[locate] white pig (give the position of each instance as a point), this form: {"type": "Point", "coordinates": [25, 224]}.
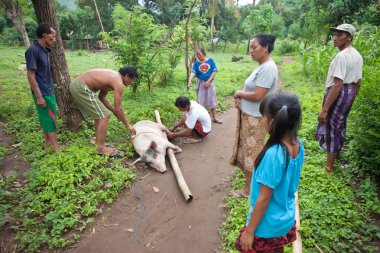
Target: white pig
{"type": "Point", "coordinates": [151, 144]}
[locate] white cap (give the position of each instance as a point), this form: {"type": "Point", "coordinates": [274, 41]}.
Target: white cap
{"type": "Point", "coordinates": [345, 28]}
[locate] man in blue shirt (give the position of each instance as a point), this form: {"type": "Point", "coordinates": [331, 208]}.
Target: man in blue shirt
{"type": "Point", "coordinates": [41, 83]}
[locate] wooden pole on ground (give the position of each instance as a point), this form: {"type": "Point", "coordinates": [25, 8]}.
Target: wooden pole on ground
{"type": "Point", "coordinates": [297, 245]}
{"type": "Point", "coordinates": [177, 171]}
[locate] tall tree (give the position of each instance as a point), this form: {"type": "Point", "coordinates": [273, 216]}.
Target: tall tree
{"type": "Point", "coordinates": [187, 61]}
{"type": "Point", "coordinates": [15, 14]}
{"type": "Point", "coordinates": [45, 13]}
{"type": "Point", "coordinates": [213, 10]}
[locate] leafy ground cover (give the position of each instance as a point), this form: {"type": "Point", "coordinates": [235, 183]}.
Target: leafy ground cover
{"type": "Point", "coordinates": [65, 190]}
{"type": "Point", "coordinates": [338, 210]}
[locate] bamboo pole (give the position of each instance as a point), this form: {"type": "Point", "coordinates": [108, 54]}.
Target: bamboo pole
{"type": "Point", "coordinates": [297, 244]}
{"type": "Point", "coordinates": [177, 171]}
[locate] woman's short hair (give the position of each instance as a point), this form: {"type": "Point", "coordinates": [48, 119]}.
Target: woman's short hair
{"type": "Point", "coordinates": [266, 40]}
{"type": "Point", "coordinates": [131, 71]}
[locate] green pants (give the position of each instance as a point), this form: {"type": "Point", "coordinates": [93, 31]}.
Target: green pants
{"type": "Point", "coordinates": [47, 115]}
{"type": "Point", "coordinates": [87, 101]}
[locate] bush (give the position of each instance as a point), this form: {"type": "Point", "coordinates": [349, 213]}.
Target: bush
{"type": "Point", "coordinates": [365, 124]}
{"type": "Point", "coordinates": [11, 36]}
{"type": "Point", "coordinates": [287, 46]}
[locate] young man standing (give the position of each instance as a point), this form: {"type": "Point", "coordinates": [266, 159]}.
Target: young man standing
{"type": "Point", "coordinates": [84, 89]}
{"type": "Point", "coordinates": [196, 119]}
{"type": "Point", "coordinates": [41, 83]}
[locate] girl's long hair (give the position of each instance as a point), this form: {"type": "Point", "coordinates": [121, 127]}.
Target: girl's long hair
{"type": "Point", "coordinates": [283, 111]}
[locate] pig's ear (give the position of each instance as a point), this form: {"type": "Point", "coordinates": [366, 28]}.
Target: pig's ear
{"type": "Point", "coordinates": [153, 145]}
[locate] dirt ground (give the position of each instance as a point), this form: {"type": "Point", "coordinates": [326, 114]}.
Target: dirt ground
{"type": "Point", "coordinates": [145, 221]}
{"type": "Point", "coordinates": [141, 220]}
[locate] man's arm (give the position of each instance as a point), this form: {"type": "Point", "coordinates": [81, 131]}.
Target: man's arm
{"type": "Point", "coordinates": [256, 95]}
{"type": "Point", "coordinates": [337, 87]}
{"type": "Point", "coordinates": [358, 86]}
{"type": "Point", "coordinates": [185, 132]}
{"type": "Point", "coordinates": [118, 109]}
{"type": "Point", "coordinates": [31, 74]}
{"type": "Point", "coordinates": [179, 123]}
{"type": "Point", "coordinates": [103, 98]}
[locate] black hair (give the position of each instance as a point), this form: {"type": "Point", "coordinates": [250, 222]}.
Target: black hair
{"type": "Point", "coordinates": [182, 102]}
{"type": "Point", "coordinates": [42, 29]}
{"type": "Point", "coordinates": [284, 112]}
{"type": "Point", "coordinates": [203, 51]}
{"type": "Point", "coordinates": [130, 71]}
{"type": "Point", "coordinates": [266, 40]}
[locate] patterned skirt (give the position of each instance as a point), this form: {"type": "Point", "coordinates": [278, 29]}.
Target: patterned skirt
{"type": "Point", "coordinates": [206, 96]}
{"type": "Point", "coordinates": [268, 245]}
{"type": "Point", "coordinates": [249, 140]}
{"type": "Point", "coordinates": [332, 133]}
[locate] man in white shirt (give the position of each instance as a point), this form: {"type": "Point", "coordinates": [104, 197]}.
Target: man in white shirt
{"type": "Point", "coordinates": [342, 83]}
{"type": "Point", "coordinates": [196, 121]}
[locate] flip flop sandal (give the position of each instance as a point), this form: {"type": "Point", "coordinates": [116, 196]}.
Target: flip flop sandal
{"type": "Point", "coordinates": [191, 141]}
{"type": "Point", "coordinates": [218, 121]}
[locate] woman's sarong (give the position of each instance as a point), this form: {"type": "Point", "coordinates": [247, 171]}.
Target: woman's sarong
{"type": "Point", "coordinates": [206, 96]}
{"type": "Point", "coordinates": [332, 134]}
{"type": "Point", "coordinates": [249, 140]}
{"type": "Point", "coordinates": [273, 245]}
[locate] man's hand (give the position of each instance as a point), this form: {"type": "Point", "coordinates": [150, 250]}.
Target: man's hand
{"type": "Point", "coordinates": [322, 116]}
{"type": "Point", "coordinates": [132, 131]}
{"type": "Point", "coordinates": [246, 241]}
{"type": "Point", "coordinates": [41, 102]}
{"type": "Point", "coordinates": [207, 84]}
{"type": "Point", "coordinates": [170, 134]}
{"type": "Point", "coordinates": [189, 84]}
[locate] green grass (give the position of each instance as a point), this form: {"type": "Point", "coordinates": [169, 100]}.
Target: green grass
{"type": "Point", "coordinates": [330, 214]}
{"type": "Point", "coordinates": [334, 216]}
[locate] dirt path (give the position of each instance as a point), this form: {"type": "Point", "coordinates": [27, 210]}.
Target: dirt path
{"type": "Point", "coordinates": [10, 166]}
{"type": "Point", "coordinates": [146, 221]}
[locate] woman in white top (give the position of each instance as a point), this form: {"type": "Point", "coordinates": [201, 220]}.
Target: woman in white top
{"type": "Point", "coordinates": [250, 131]}
{"type": "Point", "coordinates": [342, 85]}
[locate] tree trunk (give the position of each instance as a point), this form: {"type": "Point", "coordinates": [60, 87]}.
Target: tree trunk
{"type": "Point", "coordinates": [187, 43]}
{"type": "Point", "coordinates": [212, 33]}
{"type": "Point", "coordinates": [249, 43]}
{"type": "Point", "coordinates": [254, 3]}
{"type": "Point", "coordinates": [45, 13]}
{"type": "Point", "coordinates": [100, 21]}
{"type": "Point", "coordinates": [14, 13]}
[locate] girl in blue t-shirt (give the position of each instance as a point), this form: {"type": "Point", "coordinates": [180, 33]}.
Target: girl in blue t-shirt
{"type": "Point", "coordinates": [271, 217]}
{"type": "Point", "coordinates": [205, 70]}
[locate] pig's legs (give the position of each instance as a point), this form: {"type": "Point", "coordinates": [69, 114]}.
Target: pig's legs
{"type": "Point", "coordinates": [174, 147]}
{"type": "Point", "coordinates": [101, 127]}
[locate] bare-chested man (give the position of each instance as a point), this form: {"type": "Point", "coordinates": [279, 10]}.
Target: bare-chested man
{"type": "Point", "coordinates": [84, 88]}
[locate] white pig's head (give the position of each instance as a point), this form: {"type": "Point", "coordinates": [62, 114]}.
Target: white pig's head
{"type": "Point", "coordinates": [154, 157]}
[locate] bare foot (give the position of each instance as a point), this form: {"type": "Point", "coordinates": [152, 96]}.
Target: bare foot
{"type": "Point", "coordinates": [111, 152]}
{"type": "Point", "coordinates": [238, 194]}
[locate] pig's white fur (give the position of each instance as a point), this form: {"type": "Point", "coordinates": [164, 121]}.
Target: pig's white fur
{"type": "Point", "coordinates": [151, 144]}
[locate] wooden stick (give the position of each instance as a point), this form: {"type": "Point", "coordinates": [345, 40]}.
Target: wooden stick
{"type": "Point", "coordinates": [177, 171]}
{"type": "Point", "coordinates": [297, 245]}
